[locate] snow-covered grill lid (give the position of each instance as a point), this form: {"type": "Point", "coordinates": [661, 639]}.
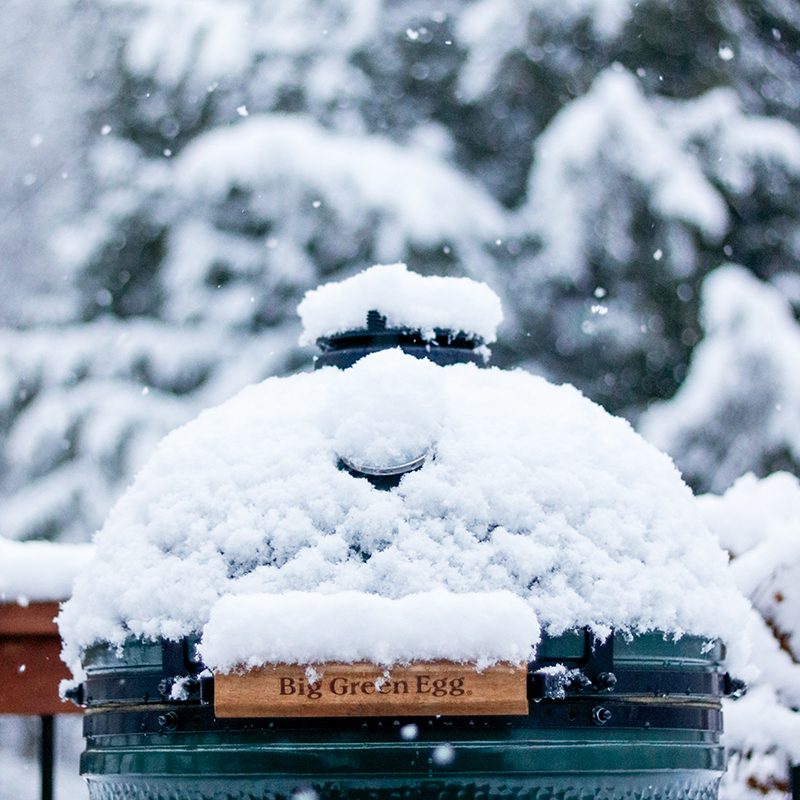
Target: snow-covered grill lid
{"type": "Point", "coordinates": [533, 509]}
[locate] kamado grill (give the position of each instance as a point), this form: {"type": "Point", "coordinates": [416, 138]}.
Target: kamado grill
{"type": "Point", "coordinates": [636, 718]}
{"type": "Point", "coordinates": [596, 710]}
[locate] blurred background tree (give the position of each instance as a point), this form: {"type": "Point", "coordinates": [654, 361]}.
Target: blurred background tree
{"type": "Point", "coordinates": [592, 163]}
{"type": "Point", "coordinates": [625, 174]}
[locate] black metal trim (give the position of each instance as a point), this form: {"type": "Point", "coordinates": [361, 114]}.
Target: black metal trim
{"type": "Point", "coordinates": [667, 683]}
{"type": "Point", "coordinates": [343, 349]}
{"type": "Point", "coordinates": [154, 687]}
{"type": "Point", "coordinates": [47, 756]}
{"type": "Point", "coordinates": [583, 713]}
{"type": "Point", "coordinates": [621, 682]}
{"type": "Point", "coordinates": [443, 356]}
{"type": "Point", "coordinates": [383, 338]}
{"type": "Point", "coordinates": [590, 675]}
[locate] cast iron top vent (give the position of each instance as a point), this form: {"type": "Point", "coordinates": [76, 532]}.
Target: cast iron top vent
{"type": "Point", "coordinates": [342, 350]}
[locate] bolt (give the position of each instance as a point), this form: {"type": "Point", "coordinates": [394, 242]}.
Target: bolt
{"type": "Point", "coordinates": [606, 681]}
{"type": "Point", "coordinates": [168, 720]}
{"type": "Point", "coordinates": [600, 715]}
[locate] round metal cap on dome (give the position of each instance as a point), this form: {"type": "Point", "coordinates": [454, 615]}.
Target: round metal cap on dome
{"type": "Point", "coordinates": [445, 347]}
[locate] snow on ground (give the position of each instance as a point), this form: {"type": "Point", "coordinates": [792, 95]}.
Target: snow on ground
{"type": "Point", "coordinates": [526, 488]}
{"type": "Point", "coordinates": [39, 570]}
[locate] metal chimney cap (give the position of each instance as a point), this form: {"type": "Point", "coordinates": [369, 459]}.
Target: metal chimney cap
{"type": "Point", "coordinates": [442, 346]}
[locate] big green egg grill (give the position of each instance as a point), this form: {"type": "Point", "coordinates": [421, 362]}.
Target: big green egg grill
{"type": "Point", "coordinates": [631, 717]}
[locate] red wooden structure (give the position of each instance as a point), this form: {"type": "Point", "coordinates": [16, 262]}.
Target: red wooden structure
{"type": "Point", "coordinates": [30, 671]}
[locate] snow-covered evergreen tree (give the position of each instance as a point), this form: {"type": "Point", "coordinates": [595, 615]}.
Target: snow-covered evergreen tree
{"type": "Point", "coordinates": [738, 410]}
{"type": "Point", "coordinates": [187, 265]}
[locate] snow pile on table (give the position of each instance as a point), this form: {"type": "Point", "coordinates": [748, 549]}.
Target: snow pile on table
{"type": "Point", "coordinates": [406, 299]}
{"type": "Point", "coordinates": [39, 570]}
{"type": "Point", "coordinates": [256, 629]}
{"type": "Point", "coordinates": [526, 488]}
{"type": "Point", "coordinates": [759, 522]}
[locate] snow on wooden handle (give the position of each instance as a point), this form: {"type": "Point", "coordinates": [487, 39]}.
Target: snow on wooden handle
{"type": "Point", "coordinates": [369, 690]}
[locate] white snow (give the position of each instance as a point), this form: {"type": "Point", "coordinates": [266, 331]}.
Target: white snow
{"type": "Point", "coordinates": [324, 199]}
{"type": "Point", "coordinates": [611, 131]}
{"type": "Point", "coordinates": [409, 732]}
{"type": "Point", "coordinates": [412, 193]}
{"type": "Point", "coordinates": [528, 488]}
{"type": "Point", "coordinates": [209, 38]}
{"type": "Point", "coordinates": [492, 29]}
{"type": "Point", "coordinates": [759, 522]}
{"type": "Point", "coordinates": [20, 771]}
{"type": "Point", "coordinates": [736, 148]}
{"type": "Point", "coordinates": [31, 571]}
{"type": "Point", "coordinates": [307, 628]}
{"type": "Point", "coordinates": [406, 299]}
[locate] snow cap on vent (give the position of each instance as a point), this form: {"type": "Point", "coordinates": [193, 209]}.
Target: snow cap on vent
{"type": "Point", "coordinates": [406, 300]}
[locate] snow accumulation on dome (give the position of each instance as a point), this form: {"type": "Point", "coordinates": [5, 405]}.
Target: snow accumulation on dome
{"type": "Point", "coordinates": [534, 509]}
{"type": "Point", "coordinates": [406, 299]}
